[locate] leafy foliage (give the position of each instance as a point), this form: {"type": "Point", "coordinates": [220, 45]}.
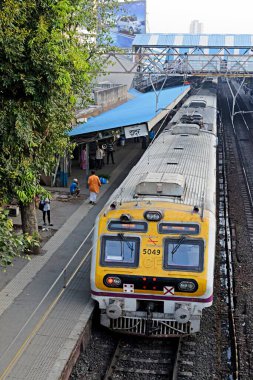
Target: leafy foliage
{"type": "Point", "coordinates": [11, 244]}
{"type": "Point", "coordinates": [50, 54]}
{"type": "Point", "coordinates": [49, 57]}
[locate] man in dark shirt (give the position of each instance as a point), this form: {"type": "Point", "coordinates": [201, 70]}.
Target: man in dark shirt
{"type": "Point", "coordinates": [110, 152]}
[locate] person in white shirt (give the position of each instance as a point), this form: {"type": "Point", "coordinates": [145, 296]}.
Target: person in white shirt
{"type": "Point", "coordinates": [99, 157]}
{"type": "Point", "coordinates": [46, 211]}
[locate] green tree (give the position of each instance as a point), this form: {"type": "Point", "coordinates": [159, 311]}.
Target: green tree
{"type": "Point", "coordinates": [50, 54]}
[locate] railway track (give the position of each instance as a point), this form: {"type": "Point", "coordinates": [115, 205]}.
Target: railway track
{"type": "Point", "coordinates": [237, 242]}
{"type": "Point", "coordinates": [144, 359]}
{"type": "Point", "coordinates": [226, 240]}
{"type": "Point", "coordinates": [111, 356]}
{"type": "Point", "coordinates": [243, 136]}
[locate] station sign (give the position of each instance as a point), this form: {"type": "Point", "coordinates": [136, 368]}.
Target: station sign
{"type": "Point", "coordinates": [136, 131]}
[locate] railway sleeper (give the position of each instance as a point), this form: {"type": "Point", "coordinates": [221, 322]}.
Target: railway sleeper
{"type": "Point", "coordinates": [146, 360]}
{"type": "Point", "coordinates": [184, 375]}
{"type": "Point", "coordinates": [142, 371]}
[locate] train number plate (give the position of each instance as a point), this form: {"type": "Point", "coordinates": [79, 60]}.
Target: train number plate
{"type": "Point", "coordinates": [151, 251]}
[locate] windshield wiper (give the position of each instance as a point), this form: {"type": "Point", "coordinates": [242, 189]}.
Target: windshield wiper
{"type": "Point", "coordinates": [180, 241]}
{"type": "Point", "coordinates": [130, 246]}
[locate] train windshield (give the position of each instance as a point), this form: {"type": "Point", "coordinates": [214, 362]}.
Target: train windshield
{"type": "Point", "coordinates": [120, 251]}
{"type": "Point", "coordinates": [184, 254]}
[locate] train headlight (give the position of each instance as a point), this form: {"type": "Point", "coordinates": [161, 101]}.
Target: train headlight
{"type": "Point", "coordinates": [153, 216]}
{"type": "Point", "coordinates": [187, 286]}
{"type": "Point", "coordinates": [125, 218]}
{"type": "Point", "coordinates": [113, 281]}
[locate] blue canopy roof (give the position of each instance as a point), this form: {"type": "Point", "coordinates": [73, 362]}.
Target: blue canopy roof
{"type": "Point", "coordinates": [140, 109]}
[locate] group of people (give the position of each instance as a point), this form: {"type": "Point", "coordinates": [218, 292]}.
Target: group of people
{"type": "Point", "coordinates": [94, 182]}
{"type": "Point", "coordinates": [100, 154]}
{"type": "Point", "coordinates": [94, 187]}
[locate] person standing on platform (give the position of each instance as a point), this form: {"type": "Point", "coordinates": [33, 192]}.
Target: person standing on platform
{"type": "Point", "coordinates": [99, 157]}
{"type": "Point", "coordinates": [94, 187]}
{"type": "Point", "coordinates": [83, 161]}
{"type": "Point", "coordinates": [46, 211]}
{"type": "Point", "coordinates": [103, 156]}
{"type": "Point", "coordinates": [110, 151]}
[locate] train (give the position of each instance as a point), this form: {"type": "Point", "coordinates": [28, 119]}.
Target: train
{"type": "Point", "coordinates": [152, 269]}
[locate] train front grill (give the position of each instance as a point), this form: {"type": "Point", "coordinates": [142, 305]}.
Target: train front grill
{"type": "Point", "coordinates": [152, 327]}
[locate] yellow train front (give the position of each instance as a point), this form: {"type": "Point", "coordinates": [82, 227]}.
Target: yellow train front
{"type": "Point", "coordinates": [154, 242]}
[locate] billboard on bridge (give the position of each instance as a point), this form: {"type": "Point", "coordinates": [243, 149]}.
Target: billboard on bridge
{"type": "Point", "coordinates": [129, 19]}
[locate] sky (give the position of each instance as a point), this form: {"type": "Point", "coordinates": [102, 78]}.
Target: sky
{"type": "Point", "coordinates": [218, 16]}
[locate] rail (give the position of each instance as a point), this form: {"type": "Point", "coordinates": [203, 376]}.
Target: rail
{"type": "Point", "coordinates": [149, 357]}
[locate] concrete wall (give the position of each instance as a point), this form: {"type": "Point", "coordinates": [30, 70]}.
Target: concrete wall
{"type": "Point", "coordinates": [111, 95]}
{"type": "Point", "coordinates": [120, 71]}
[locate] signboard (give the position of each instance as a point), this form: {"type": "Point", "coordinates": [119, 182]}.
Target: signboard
{"type": "Point", "coordinates": [136, 131]}
{"type": "Point", "coordinates": [129, 19]}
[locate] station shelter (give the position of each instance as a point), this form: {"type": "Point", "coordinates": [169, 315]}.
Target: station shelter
{"type": "Point", "coordinates": [136, 119]}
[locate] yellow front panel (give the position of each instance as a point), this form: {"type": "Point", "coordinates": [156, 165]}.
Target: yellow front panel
{"type": "Point", "coordinates": [152, 245]}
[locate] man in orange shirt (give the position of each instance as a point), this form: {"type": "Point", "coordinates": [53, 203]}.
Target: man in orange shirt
{"type": "Point", "coordinates": [94, 187]}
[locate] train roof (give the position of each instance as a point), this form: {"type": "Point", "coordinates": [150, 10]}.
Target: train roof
{"type": "Point", "coordinates": [182, 162]}
{"type": "Point", "coordinates": [204, 104]}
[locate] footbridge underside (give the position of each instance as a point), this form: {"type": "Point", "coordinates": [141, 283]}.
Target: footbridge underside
{"type": "Point", "coordinates": [190, 54]}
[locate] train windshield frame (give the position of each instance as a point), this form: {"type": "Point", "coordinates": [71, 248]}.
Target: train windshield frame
{"type": "Point", "coordinates": [120, 251]}
{"type": "Point", "coordinates": [184, 254]}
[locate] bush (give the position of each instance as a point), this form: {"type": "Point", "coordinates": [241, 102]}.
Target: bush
{"type": "Point", "coordinates": [12, 244]}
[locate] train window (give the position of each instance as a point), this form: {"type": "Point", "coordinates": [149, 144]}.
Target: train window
{"type": "Point", "coordinates": [184, 254]}
{"type": "Point", "coordinates": [120, 250]}
{"type": "Point", "coordinates": [116, 225]}
{"type": "Point", "coordinates": [178, 228]}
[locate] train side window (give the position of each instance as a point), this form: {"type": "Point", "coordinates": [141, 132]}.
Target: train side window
{"type": "Point", "coordinates": [178, 228]}
{"type": "Point", "coordinates": [184, 254]}
{"type": "Point", "coordinates": [115, 225]}
{"type": "Point", "coordinates": [120, 251]}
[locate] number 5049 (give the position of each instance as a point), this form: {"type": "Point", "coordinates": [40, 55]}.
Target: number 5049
{"type": "Point", "coordinates": [151, 251]}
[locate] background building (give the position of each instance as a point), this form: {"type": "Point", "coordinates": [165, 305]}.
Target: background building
{"type": "Point", "coordinates": [196, 27]}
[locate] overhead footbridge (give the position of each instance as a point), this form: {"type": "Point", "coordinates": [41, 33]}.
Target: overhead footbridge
{"type": "Point", "coordinates": [195, 54]}
{"type": "Point", "coordinates": [229, 55]}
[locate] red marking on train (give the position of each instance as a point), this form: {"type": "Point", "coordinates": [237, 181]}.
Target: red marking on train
{"type": "Point", "coordinates": [152, 241]}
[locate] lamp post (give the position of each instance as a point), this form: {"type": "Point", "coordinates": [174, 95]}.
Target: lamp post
{"type": "Point", "coordinates": [234, 98]}
{"type": "Point", "coordinates": [242, 112]}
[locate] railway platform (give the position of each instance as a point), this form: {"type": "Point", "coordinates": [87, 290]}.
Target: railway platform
{"type": "Point", "coordinates": [45, 302]}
